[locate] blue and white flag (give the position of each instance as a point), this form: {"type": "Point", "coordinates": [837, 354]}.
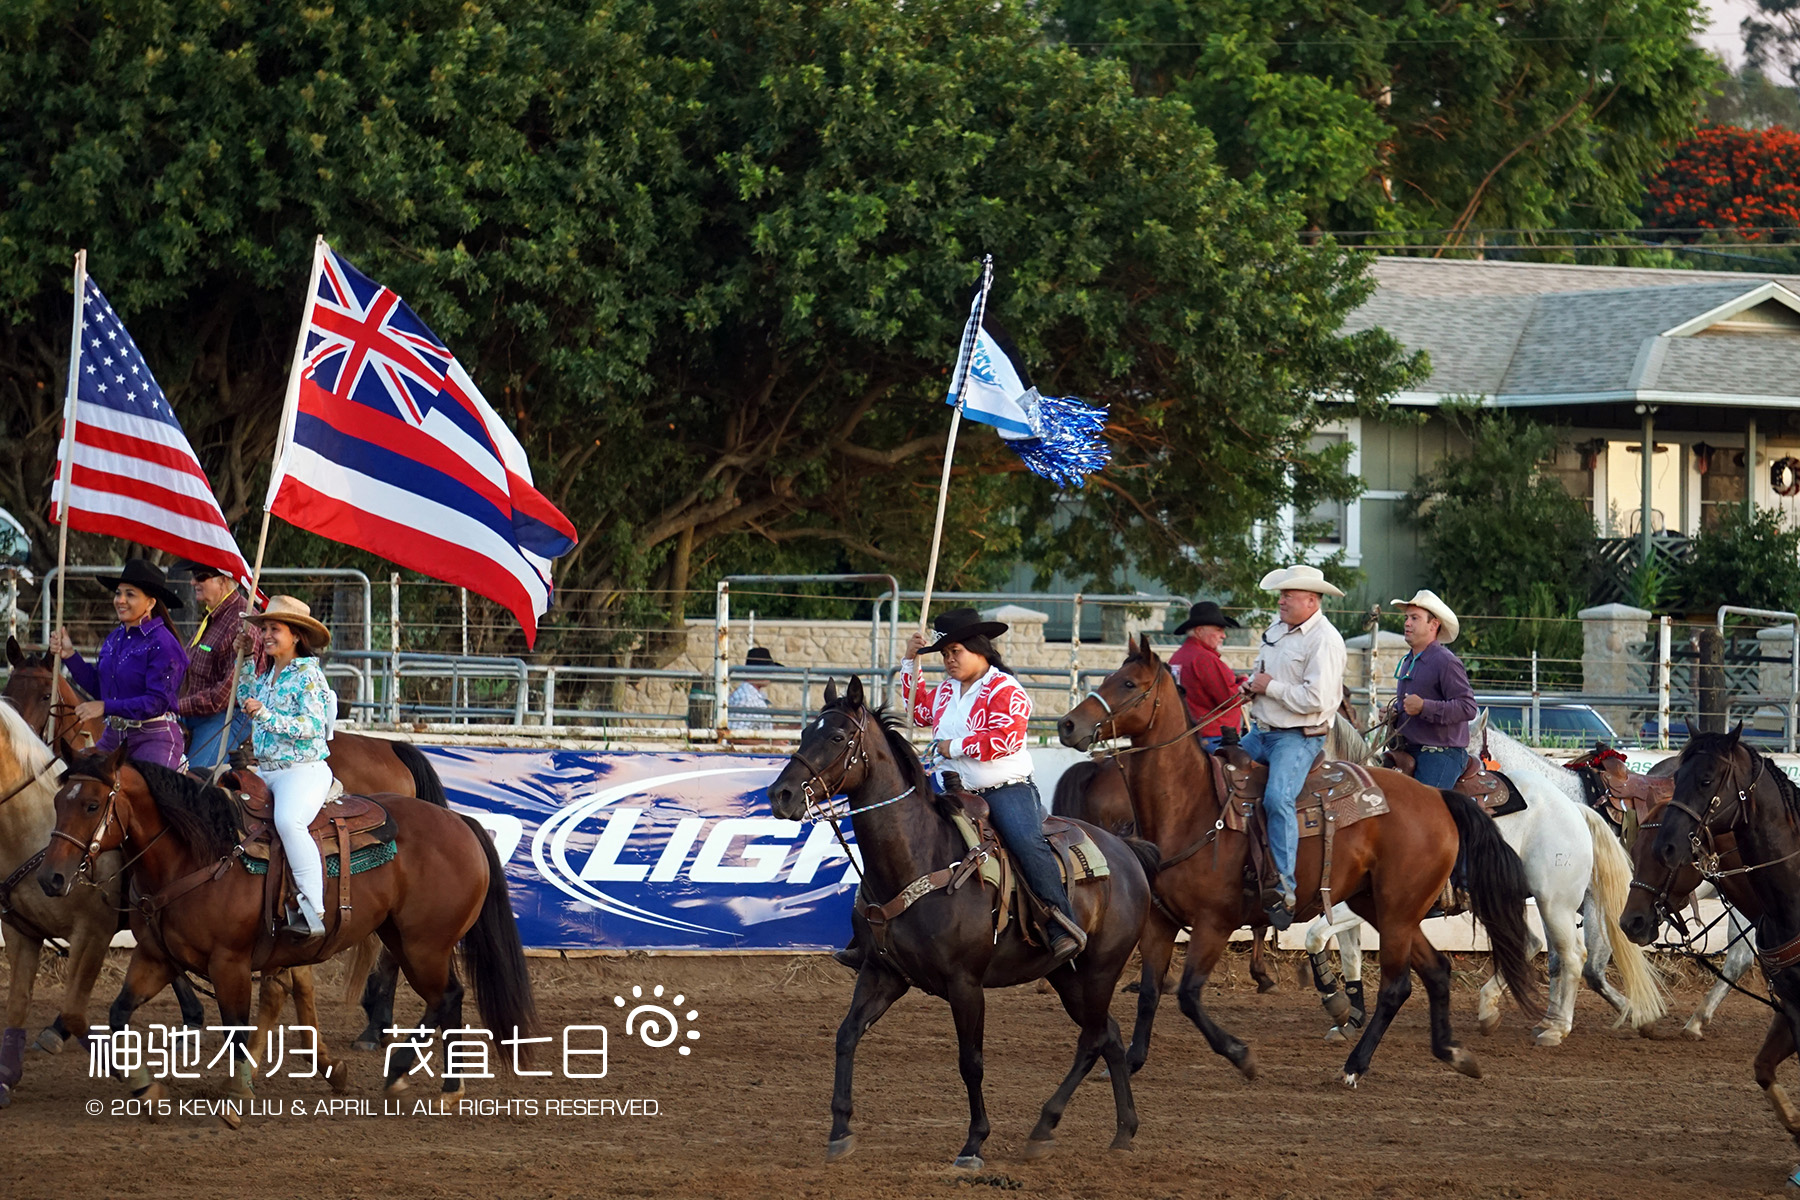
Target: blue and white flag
{"type": "Point", "coordinates": [1057, 437]}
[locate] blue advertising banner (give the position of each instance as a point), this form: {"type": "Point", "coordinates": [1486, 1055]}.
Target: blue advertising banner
{"type": "Point", "coordinates": [631, 851]}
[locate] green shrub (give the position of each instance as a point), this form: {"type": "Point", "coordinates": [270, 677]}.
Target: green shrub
{"type": "Point", "coordinates": [1750, 560]}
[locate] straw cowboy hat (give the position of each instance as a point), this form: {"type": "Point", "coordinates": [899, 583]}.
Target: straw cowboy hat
{"type": "Point", "coordinates": [959, 625]}
{"type": "Point", "coordinates": [1428, 600]}
{"type": "Point", "coordinates": [296, 614]}
{"type": "Point", "coordinates": [1300, 578]}
{"type": "Point", "coordinates": [146, 578]}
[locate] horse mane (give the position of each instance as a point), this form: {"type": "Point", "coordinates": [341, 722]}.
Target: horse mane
{"type": "Point", "coordinates": [198, 813]}
{"type": "Point", "coordinates": [1516, 758]}
{"type": "Point", "coordinates": [27, 748]}
{"type": "Point", "coordinates": [893, 728]}
{"type": "Point", "coordinates": [1720, 744]}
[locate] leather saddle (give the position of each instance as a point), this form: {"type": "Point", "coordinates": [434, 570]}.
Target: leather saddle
{"type": "Point", "coordinates": [1343, 793]}
{"type": "Point", "coordinates": [1491, 789]}
{"type": "Point", "coordinates": [1627, 791]}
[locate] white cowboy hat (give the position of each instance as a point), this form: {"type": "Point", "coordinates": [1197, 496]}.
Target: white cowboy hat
{"type": "Point", "coordinates": [1300, 578]}
{"type": "Point", "coordinates": [1428, 600]}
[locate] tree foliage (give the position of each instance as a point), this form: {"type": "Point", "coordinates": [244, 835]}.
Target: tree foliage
{"type": "Point", "coordinates": [710, 257]}
{"type": "Point", "coordinates": [1497, 534]}
{"type": "Point", "coordinates": [1742, 181]}
{"type": "Point", "coordinates": [1410, 116]}
{"type": "Point", "coordinates": [1748, 559]}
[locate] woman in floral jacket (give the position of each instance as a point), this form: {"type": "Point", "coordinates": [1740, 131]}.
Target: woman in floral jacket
{"type": "Point", "coordinates": [292, 709]}
{"type": "Point", "coordinates": [977, 719]}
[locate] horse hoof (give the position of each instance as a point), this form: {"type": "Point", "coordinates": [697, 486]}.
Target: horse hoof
{"type": "Point", "coordinates": [1693, 1031]}
{"type": "Point", "coordinates": [1350, 1080]}
{"type": "Point", "coordinates": [840, 1147]}
{"type": "Point", "coordinates": [49, 1041]}
{"type": "Point", "coordinates": [370, 1047]}
{"type": "Point", "coordinates": [239, 1090]}
{"type": "Point", "coordinates": [1488, 1023]}
{"type": "Point", "coordinates": [1265, 986]}
{"type": "Point", "coordinates": [1121, 1141]}
{"type": "Point", "coordinates": [339, 1079]}
{"type": "Point", "coordinates": [974, 1162]}
{"type": "Point", "coordinates": [1038, 1148]}
{"type": "Point", "coordinates": [1335, 1034]}
{"type": "Point", "coordinates": [1547, 1037]}
{"type": "Point", "coordinates": [1247, 1065]}
{"type": "Point", "coordinates": [395, 1088]}
{"type": "Point", "coordinates": [1465, 1063]}
{"type": "Point", "coordinates": [231, 1118]}
{"type": "Point", "coordinates": [451, 1097]}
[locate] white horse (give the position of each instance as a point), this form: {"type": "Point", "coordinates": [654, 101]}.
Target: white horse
{"type": "Point", "coordinates": [1573, 864]}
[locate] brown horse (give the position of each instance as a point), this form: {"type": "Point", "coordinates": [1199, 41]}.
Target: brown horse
{"type": "Point", "coordinates": [366, 766]}
{"type": "Point", "coordinates": [198, 910]}
{"type": "Point", "coordinates": [1095, 792]}
{"type": "Point", "coordinates": [943, 939]}
{"type": "Point", "coordinates": [1389, 868]}
{"type": "Point", "coordinates": [1736, 809]}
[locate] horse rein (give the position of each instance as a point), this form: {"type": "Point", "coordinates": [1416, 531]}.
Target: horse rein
{"type": "Point", "coordinates": [820, 808]}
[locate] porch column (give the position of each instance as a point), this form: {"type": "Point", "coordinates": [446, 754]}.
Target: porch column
{"type": "Point", "coordinates": [1750, 467]}
{"type": "Point", "coordinates": [1648, 467]}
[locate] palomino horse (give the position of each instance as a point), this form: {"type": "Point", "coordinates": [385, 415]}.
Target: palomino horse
{"type": "Point", "coordinates": [196, 909]}
{"type": "Point", "coordinates": [1390, 868]}
{"type": "Point", "coordinates": [365, 766]}
{"type": "Point", "coordinates": [945, 942]}
{"type": "Point", "coordinates": [1724, 787]}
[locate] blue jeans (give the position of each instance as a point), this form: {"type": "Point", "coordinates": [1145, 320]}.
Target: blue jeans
{"type": "Point", "coordinates": [1018, 817]}
{"type": "Point", "coordinates": [1290, 754]}
{"type": "Point", "coordinates": [1440, 766]}
{"type": "Point", "coordinates": [1211, 744]}
{"type": "Point", "coordinates": [206, 748]}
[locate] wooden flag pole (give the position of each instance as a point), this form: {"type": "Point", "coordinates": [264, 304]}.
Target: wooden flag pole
{"type": "Point", "coordinates": [965, 362]}
{"type": "Point", "coordinates": [64, 473]}
{"type": "Point", "coordinates": [289, 408]}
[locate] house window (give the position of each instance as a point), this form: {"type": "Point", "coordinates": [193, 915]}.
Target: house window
{"type": "Point", "coordinates": [1328, 517]}
{"type": "Point", "coordinates": [1336, 526]}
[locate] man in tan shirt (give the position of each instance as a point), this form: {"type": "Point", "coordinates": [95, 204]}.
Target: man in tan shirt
{"type": "Point", "coordinates": [1296, 685]}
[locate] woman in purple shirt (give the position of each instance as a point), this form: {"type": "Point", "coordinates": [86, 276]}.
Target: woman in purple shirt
{"type": "Point", "coordinates": [139, 672]}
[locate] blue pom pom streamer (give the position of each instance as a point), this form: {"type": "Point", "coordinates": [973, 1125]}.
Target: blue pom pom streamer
{"type": "Point", "coordinates": [1068, 447]}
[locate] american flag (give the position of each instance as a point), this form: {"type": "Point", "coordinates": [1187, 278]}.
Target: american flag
{"type": "Point", "coordinates": [132, 473]}
{"type": "Point", "coordinates": [389, 446]}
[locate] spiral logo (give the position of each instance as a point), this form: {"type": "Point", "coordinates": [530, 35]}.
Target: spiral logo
{"type": "Point", "coordinates": [655, 1025]}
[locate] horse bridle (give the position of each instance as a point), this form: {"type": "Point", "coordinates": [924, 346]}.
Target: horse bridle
{"type": "Point", "coordinates": [91, 848]}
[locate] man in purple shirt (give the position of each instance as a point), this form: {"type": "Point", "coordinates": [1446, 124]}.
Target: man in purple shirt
{"type": "Point", "coordinates": [1433, 702]}
{"type": "Point", "coordinates": [139, 674]}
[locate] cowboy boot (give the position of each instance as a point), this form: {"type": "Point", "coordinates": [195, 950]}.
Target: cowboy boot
{"type": "Point", "coordinates": [1278, 907]}
{"type": "Point", "coordinates": [12, 1057]}
{"type": "Point", "coordinates": [309, 922]}
{"type": "Point", "coordinates": [1068, 938]}
{"type": "Point", "coordinates": [852, 955]}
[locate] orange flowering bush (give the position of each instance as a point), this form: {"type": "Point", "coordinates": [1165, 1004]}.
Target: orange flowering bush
{"type": "Point", "coordinates": [1724, 178]}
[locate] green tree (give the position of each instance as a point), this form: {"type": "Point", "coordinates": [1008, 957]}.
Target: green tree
{"type": "Point", "coordinates": [711, 257]}
{"type": "Point", "coordinates": [1748, 559]}
{"type": "Point", "coordinates": [1495, 530]}
{"type": "Point", "coordinates": [1409, 116]}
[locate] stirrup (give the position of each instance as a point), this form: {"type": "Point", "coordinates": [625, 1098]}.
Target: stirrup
{"type": "Point", "coordinates": [305, 921]}
{"type": "Point", "coordinates": [1068, 938]}
{"type": "Point", "coordinates": [1278, 907]}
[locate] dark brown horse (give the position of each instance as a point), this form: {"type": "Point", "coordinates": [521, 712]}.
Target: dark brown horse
{"type": "Point", "coordinates": [1095, 792]}
{"type": "Point", "coordinates": [1723, 787]}
{"type": "Point", "coordinates": [198, 910]}
{"type": "Point", "coordinates": [1389, 869]}
{"type": "Point", "coordinates": [944, 941]}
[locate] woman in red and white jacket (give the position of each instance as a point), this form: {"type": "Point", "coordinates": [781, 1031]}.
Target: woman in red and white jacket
{"type": "Point", "coordinates": [977, 718]}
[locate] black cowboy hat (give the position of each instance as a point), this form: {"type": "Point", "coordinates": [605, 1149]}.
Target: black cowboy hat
{"type": "Point", "coordinates": [198, 570]}
{"type": "Point", "coordinates": [959, 625]}
{"type": "Point", "coordinates": [144, 577]}
{"type": "Point", "coordinates": [759, 657]}
{"type": "Point", "coordinates": [1207, 612]}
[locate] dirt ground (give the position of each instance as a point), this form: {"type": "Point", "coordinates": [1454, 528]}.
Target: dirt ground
{"type": "Point", "coordinates": [747, 1112]}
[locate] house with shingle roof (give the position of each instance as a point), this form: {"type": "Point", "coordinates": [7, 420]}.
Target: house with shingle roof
{"type": "Point", "coordinates": [1700, 368]}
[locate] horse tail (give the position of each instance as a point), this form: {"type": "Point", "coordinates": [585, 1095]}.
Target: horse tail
{"type": "Point", "coordinates": [426, 784]}
{"type": "Point", "coordinates": [1612, 886]}
{"type": "Point", "coordinates": [1149, 855]}
{"type": "Point", "coordinates": [362, 961]}
{"type": "Point", "coordinates": [493, 955]}
{"type": "Point", "coordinates": [1497, 893]}
{"type": "Point", "coordinates": [1071, 791]}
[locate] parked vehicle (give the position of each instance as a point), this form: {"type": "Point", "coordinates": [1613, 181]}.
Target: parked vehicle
{"type": "Point", "coordinates": [1559, 723]}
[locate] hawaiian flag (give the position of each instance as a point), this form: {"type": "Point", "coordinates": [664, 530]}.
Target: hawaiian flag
{"type": "Point", "coordinates": [131, 472]}
{"type": "Point", "coordinates": [388, 445]}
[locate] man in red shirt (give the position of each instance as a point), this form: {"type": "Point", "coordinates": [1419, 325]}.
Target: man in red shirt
{"type": "Point", "coordinates": [1207, 682]}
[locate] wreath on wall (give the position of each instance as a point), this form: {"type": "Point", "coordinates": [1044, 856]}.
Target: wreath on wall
{"type": "Point", "coordinates": [1784, 476]}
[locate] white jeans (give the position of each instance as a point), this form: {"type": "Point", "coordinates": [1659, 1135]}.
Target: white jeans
{"type": "Point", "coordinates": [299, 793]}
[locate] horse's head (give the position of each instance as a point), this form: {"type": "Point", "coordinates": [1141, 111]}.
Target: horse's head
{"type": "Point", "coordinates": [1656, 889]}
{"type": "Point", "coordinates": [92, 809]}
{"type": "Point", "coordinates": [1122, 705]}
{"type": "Point", "coordinates": [1714, 775]}
{"type": "Point", "coordinates": [28, 687]}
{"type": "Point", "coordinates": [833, 755]}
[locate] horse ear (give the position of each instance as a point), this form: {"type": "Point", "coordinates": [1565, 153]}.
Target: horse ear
{"type": "Point", "coordinates": [831, 691]}
{"type": "Point", "coordinates": [1146, 649]}
{"type": "Point", "coordinates": [14, 655]}
{"type": "Point", "coordinates": [1737, 732]}
{"type": "Point", "coordinates": [66, 752]}
{"type": "Point", "coordinates": [853, 694]}
{"type": "Point", "coordinates": [116, 759]}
